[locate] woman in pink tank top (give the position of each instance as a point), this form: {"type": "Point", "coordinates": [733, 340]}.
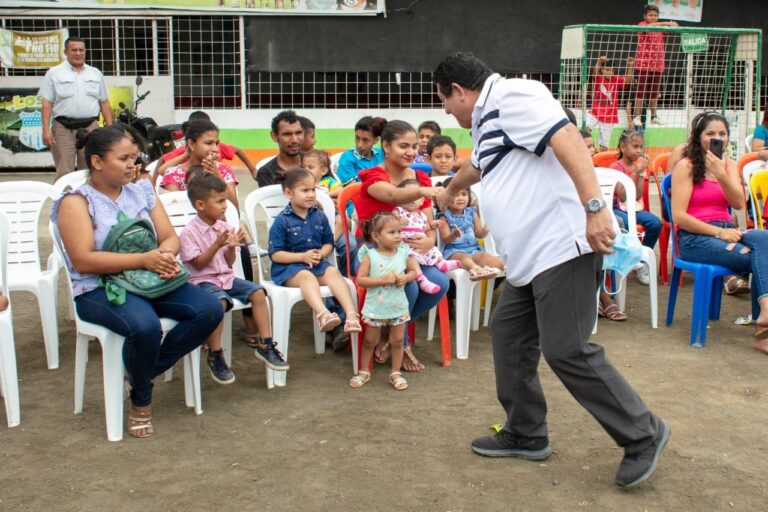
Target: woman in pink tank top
{"type": "Point", "coordinates": [704, 187]}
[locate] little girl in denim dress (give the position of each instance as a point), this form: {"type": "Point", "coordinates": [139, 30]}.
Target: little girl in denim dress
{"type": "Point", "coordinates": [460, 228]}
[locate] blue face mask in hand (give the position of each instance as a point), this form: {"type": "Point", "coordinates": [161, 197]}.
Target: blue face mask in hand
{"type": "Point", "coordinates": [627, 254]}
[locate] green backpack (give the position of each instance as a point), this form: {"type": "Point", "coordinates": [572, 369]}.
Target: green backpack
{"type": "Point", "coordinates": [135, 236]}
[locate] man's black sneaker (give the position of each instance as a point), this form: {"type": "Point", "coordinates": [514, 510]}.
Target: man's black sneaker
{"type": "Point", "coordinates": [267, 352]}
{"type": "Point", "coordinates": [219, 369]}
{"type": "Point", "coordinates": [505, 444]}
{"type": "Point", "coordinates": [635, 468]}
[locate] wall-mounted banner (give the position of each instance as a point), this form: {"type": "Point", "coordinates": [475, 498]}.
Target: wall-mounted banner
{"type": "Point", "coordinates": [254, 7]}
{"type": "Point", "coordinates": [32, 49]}
{"type": "Point", "coordinates": [681, 10]}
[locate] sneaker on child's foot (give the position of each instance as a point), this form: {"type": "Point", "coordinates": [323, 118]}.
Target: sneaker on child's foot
{"type": "Point", "coordinates": [218, 367]}
{"type": "Point", "coordinates": [655, 120]}
{"type": "Point", "coordinates": [637, 121]}
{"type": "Point", "coordinates": [267, 352]}
{"type": "Point", "coordinates": [643, 276]}
{"type": "Point", "coordinates": [339, 338]}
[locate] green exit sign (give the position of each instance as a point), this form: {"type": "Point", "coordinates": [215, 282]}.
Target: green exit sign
{"type": "Point", "coordinates": [694, 42]}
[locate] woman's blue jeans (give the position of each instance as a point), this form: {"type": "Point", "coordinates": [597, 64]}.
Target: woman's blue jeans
{"type": "Point", "coordinates": [749, 255]}
{"type": "Point", "coordinates": [650, 222]}
{"type": "Point", "coordinates": [138, 320]}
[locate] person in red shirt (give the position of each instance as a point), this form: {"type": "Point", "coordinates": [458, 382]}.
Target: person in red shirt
{"type": "Point", "coordinates": [649, 63]}
{"type": "Point", "coordinates": [605, 98]}
{"type": "Point", "coordinates": [180, 155]}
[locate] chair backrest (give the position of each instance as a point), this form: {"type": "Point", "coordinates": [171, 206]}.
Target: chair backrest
{"type": "Point", "coordinates": [335, 162]}
{"type": "Point", "coordinates": [349, 193]}
{"type": "Point", "coordinates": [270, 201]}
{"type": "Point", "coordinates": [607, 179]}
{"type": "Point", "coordinates": [758, 186]}
{"type": "Point", "coordinates": [5, 233]}
{"type": "Point", "coordinates": [747, 171]}
{"type": "Point", "coordinates": [22, 202]}
{"type": "Point", "coordinates": [666, 203]}
{"type": "Point", "coordinates": [748, 143]}
{"type": "Point", "coordinates": [745, 159]}
{"type": "Point", "coordinates": [70, 181]}
{"type": "Point", "coordinates": [605, 158]}
{"type": "Point", "coordinates": [59, 251]}
{"type": "Point", "coordinates": [180, 211]}
{"type": "Point", "coordinates": [423, 167]}
{"type": "Point", "coordinates": [261, 163]}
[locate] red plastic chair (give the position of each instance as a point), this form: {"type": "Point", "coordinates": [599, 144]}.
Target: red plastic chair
{"type": "Point", "coordinates": [658, 167]}
{"type": "Point", "coordinates": [352, 193]}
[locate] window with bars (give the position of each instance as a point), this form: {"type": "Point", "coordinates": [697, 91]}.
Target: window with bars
{"type": "Point", "coordinates": [122, 46]}
{"type": "Point", "coordinates": [204, 54]}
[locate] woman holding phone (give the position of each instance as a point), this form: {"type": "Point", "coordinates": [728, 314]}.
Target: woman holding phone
{"type": "Point", "coordinates": [705, 187]}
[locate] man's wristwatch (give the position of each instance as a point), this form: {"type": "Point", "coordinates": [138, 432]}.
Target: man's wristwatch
{"type": "Point", "coordinates": [594, 205]}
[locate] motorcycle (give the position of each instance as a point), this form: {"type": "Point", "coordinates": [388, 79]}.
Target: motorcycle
{"type": "Point", "coordinates": [159, 139]}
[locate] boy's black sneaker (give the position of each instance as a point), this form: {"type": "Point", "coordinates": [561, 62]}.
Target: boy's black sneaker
{"type": "Point", "coordinates": [636, 468]}
{"type": "Point", "coordinates": [218, 367]}
{"type": "Point", "coordinates": [506, 444]}
{"type": "Point", "coordinates": [267, 352]}
{"type": "Point", "coordinates": [339, 338]}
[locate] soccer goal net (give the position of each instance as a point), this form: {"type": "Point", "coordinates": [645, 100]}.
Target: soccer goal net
{"type": "Point", "coordinates": [656, 79]}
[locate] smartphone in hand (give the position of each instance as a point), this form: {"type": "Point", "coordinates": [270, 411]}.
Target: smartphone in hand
{"type": "Point", "coordinates": [716, 147]}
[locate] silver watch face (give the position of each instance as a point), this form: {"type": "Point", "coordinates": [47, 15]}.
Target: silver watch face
{"type": "Point", "coordinates": [594, 205]}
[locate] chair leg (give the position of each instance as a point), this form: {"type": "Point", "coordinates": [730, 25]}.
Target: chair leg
{"type": "Point", "coordinates": [653, 288]}
{"type": "Point", "coordinates": [489, 287]}
{"type": "Point", "coordinates": [476, 299]}
{"type": "Point", "coordinates": [673, 286]}
{"type": "Point", "coordinates": [702, 286]}
{"type": "Point", "coordinates": [47, 301]}
{"type": "Point", "coordinates": [281, 328]}
{"type": "Point", "coordinates": [663, 252]}
{"type": "Point", "coordinates": [9, 378]}
{"type": "Point", "coordinates": [445, 330]}
{"type": "Point", "coordinates": [112, 356]}
{"type": "Point", "coordinates": [226, 338]}
{"type": "Point", "coordinates": [192, 392]}
{"type": "Point", "coordinates": [716, 298]}
{"type": "Point", "coordinates": [464, 292]}
{"type": "Point", "coordinates": [81, 360]}
{"type": "Point", "coordinates": [431, 324]}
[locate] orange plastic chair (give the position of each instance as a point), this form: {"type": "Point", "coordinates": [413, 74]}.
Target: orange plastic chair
{"type": "Point", "coordinates": [745, 159]}
{"type": "Point", "coordinates": [352, 193]}
{"type": "Point", "coordinates": [658, 167]}
{"type": "Point", "coordinates": [605, 158]}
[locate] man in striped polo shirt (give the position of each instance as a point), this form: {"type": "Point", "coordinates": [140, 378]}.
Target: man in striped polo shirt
{"type": "Point", "coordinates": [542, 203]}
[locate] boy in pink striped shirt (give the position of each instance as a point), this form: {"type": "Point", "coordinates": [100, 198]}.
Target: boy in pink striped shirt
{"type": "Point", "coordinates": [208, 250]}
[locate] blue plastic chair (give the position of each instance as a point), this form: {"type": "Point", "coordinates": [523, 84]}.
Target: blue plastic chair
{"type": "Point", "coordinates": [707, 281]}
{"type": "Point", "coordinates": [422, 167]}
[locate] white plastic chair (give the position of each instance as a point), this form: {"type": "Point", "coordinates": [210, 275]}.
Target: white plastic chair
{"type": "Point", "coordinates": [9, 381]}
{"type": "Point", "coordinates": [467, 302]}
{"type": "Point", "coordinates": [70, 181]}
{"type": "Point", "coordinates": [271, 201]}
{"type": "Point", "coordinates": [22, 202]}
{"type": "Point", "coordinates": [264, 161]}
{"type": "Point", "coordinates": [335, 164]}
{"type": "Point", "coordinates": [608, 178]}
{"type": "Point", "coordinates": [746, 172]}
{"type": "Point", "coordinates": [112, 362]}
{"type": "Point", "coordinates": [180, 211]}
{"type": "Point", "coordinates": [748, 144]}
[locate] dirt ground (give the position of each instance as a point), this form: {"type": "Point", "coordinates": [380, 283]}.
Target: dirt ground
{"type": "Point", "coordinates": [319, 445]}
